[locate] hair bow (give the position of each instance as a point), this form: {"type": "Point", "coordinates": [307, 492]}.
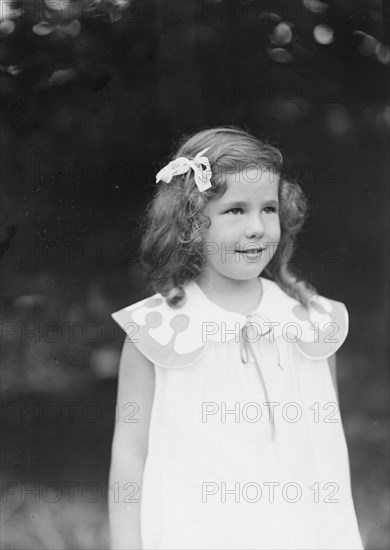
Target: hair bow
{"type": "Point", "coordinates": [200, 165]}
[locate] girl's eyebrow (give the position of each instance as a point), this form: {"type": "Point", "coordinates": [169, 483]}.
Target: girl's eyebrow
{"type": "Point", "coordinates": [234, 203]}
{"type": "Point", "coordinates": [240, 204]}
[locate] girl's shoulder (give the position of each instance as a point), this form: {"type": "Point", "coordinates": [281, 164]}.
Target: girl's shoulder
{"type": "Point", "coordinates": [171, 337]}
{"type": "Point", "coordinates": [175, 337]}
{"type": "Point", "coordinates": [319, 330]}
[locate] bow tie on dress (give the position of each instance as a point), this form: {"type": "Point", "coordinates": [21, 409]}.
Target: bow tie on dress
{"type": "Point", "coordinates": [247, 352]}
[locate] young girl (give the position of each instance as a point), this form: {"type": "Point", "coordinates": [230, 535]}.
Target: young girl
{"type": "Point", "coordinates": [229, 435]}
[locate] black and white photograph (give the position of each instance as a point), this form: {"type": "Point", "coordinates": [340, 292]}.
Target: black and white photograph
{"type": "Point", "coordinates": [195, 274]}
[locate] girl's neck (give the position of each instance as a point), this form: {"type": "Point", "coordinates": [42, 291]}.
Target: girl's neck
{"type": "Point", "coordinates": [230, 294]}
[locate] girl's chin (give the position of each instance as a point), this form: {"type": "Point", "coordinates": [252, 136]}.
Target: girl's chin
{"type": "Point", "coordinates": [243, 271]}
{"type": "Point", "coordinates": [246, 275]}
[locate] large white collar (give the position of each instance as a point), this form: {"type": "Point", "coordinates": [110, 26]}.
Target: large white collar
{"type": "Point", "coordinates": [175, 337]}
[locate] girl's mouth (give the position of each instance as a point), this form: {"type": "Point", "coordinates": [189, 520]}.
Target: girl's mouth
{"type": "Point", "coordinates": [251, 251]}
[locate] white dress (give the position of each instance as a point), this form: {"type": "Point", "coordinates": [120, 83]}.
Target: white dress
{"type": "Point", "coordinates": [246, 445]}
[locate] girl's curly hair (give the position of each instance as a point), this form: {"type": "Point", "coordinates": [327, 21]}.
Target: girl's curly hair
{"type": "Point", "coordinates": [172, 243]}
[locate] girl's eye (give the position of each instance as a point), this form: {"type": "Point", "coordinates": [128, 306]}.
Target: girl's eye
{"type": "Point", "coordinates": [234, 211]}
{"type": "Point", "coordinates": [270, 209]}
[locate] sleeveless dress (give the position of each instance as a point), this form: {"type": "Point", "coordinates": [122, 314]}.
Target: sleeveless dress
{"type": "Point", "coordinates": [246, 444]}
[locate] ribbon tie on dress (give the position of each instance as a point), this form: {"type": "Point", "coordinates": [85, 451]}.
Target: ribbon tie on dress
{"type": "Point", "coordinates": [247, 351]}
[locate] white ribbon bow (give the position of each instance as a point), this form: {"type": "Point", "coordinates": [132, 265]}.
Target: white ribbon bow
{"type": "Point", "coordinates": [200, 165]}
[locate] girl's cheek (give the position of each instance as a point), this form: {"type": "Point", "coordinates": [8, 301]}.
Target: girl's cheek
{"type": "Point", "coordinates": [275, 224]}
{"type": "Point", "coordinates": [277, 231]}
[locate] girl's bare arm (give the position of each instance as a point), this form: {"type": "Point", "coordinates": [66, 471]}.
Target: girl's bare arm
{"type": "Point", "coordinates": [129, 447]}
{"type": "Point", "coordinates": [333, 371]}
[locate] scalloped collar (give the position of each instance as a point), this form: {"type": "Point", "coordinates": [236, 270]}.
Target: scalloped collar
{"type": "Point", "coordinates": [174, 337]}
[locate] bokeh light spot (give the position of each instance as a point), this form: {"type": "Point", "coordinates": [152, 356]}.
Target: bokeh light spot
{"type": "Point", "coordinates": [280, 55]}
{"type": "Point", "coordinates": [282, 34]}
{"type": "Point", "coordinates": [382, 53]}
{"type": "Point", "coordinates": [368, 43]}
{"type": "Point", "coordinates": [323, 34]}
{"type": "Point", "coordinates": [269, 17]}
{"type": "Point", "coordinates": [315, 6]}
{"type": "Point", "coordinates": [7, 27]}
{"type": "Point", "coordinates": [338, 120]}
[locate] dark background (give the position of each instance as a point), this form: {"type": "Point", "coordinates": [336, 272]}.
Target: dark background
{"type": "Point", "coordinates": [94, 100]}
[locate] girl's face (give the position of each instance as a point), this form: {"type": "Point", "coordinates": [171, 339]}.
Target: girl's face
{"type": "Point", "coordinates": [245, 227]}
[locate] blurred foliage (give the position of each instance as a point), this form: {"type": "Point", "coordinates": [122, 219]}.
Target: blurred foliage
{"type": "Point", "coordinates": [49, 526]}
{"type": "Point", "coordinates": [94, 94]}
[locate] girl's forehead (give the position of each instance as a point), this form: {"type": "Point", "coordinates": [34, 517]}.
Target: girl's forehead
{"type": "Point", "coordinates": [253, 175]}
{"type": "Point", "coordinates": [251, 182]}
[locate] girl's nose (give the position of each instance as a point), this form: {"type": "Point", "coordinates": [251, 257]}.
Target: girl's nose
{"type": "Point", "coordinates": [255, 227]}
